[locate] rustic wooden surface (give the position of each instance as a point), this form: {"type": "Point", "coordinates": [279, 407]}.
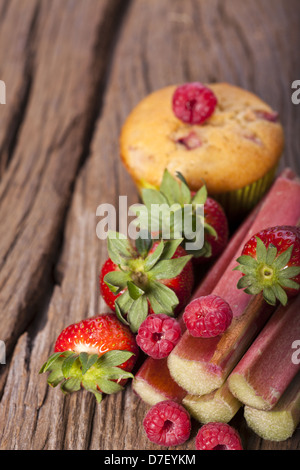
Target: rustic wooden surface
{"type": "Point", "coordinates": [73, 71]}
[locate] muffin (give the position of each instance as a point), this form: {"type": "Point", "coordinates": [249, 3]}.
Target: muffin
{"type": "Point", "coordinates": [235, 151]}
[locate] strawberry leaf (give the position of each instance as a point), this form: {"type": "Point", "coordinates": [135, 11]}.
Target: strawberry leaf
{"type": "Point", "coordinates": [170, 248]}
{"type": "Point", "coordinates": [115, 373]}
{"type": "Point", "coordinates": [290, 271]}
{"type": "Point", "coordinates": [68, 364]}
{"type": "Point", "coordinates": [162, 299]}
{"type": "Point", "coordinates": [107, 386]}
{"type": "Point", "coordinates": [119, 248]}
{"type": "Point", "coordinates": [261, 250]}
{"type": "Point", "coordinates": [201, 196]}
{"type": "Point", "coordinates": [122, 305]}
{"type": "Point", "coordinates": [87, 361]}
{"type": "Point", "coordinates": [116, 280]}
{"type": "Point", "coordinates": [114, 358]}
{"type": "Point", "coordinates": [175, 191]}
{"type": "Point", "coordinates": [271, 254]}
{"type": "Point", "coordinates": [71, 385]}
{"type": "Point", "coordinates": [55, 378]}
{"type": "Point", "coordinates": [153, 196]}
{"type": "Point", "coordinates": [137, 313]}
{"type": "Point", "coordinates": [269, 295]}
{"type": "Point", "coordinates": [134, 291]}
{"type": "Point", "coordinates": [144, 244]}
{"type": "Point", "coordinates": [282, 260]}
{"type": "Point", "coordinates": [50, 362]}
{"type": "Point", "coordinates": [154, 257]}
{"type": "Point", "coordinates": [280, 294]}
{"type": "Point", "coordinates": [289, 283]}
{"type": "Point", "coordinates": [247, 260]}
{"type": "Point", "coordinates": [168, 269]}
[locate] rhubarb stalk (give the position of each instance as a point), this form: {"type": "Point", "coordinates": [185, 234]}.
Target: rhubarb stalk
{"type": "Point", "coordinates": [153, 382]}
{"type": "Point", "coordinates": [217, 406]}
{"type": "Point", "coordinates": [201, 365]}
{"type": "Point", "coordinates": [267, 368]}
{"type": "Point", "coordinates": [280, 423]}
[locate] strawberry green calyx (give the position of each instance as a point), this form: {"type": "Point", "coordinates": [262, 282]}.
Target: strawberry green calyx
{"type": "Point", "coordinates": [179, 215]}
{"type": "Point", "coordinates": [268, 273]}
{"type": "Point", "coordinates": [140, 277]}
{"type": "Point", "coordinates": [95, 374]}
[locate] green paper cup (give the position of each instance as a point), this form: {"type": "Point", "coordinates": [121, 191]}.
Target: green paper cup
{"type": "Point", "coordinates": [238, 203]}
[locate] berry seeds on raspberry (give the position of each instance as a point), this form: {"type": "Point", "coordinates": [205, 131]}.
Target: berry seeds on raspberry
{"type": "Point", "coordinates": [218, 436]}
{"type": "Point", "coordinates": [207, 316]}
{"type": "Point", "coordinates": [167, 424]}
{"type": "Point", "coordinates": [193, 103]}
{"type": "Point", "coordinates": [158, 335]}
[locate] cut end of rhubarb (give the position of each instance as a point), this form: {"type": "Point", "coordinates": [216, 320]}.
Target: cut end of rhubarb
{"type": "Point", "coordinates": [192, 376]}
{"type": "Point", "coordinates": [218, 406]}
{"type": "Point", "coordinates": [241, 389]}
{"type": "Point", "coordinates": [146, 392]}
{"type": "Point", "coordinates": [273, 426]}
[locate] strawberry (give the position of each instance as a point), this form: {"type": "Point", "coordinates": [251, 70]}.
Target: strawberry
{"type": "Point", "coordinates": [174, 197]}
{"type": "Point", "coordinates": [97, 354]}
{"type": "Point", "coordinates": [216, 232]}
{"type": "Point", "coordinates": [150, 277]}
{"type": "Point", "coordinates": [270, 263]}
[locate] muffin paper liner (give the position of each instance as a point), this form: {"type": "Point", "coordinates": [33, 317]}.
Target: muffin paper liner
{"type": "Point", "coordinates": [239, 202]}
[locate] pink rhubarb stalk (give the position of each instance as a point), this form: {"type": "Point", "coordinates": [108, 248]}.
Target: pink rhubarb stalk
{"type": "Point", "coordinates": [267, 368]}
{"type": "Point", "coordinates": [281, 422]}
{"type": "Point", "coordinates": [153, 382]}
{"type": "Point", "coordinates": [201, 365]}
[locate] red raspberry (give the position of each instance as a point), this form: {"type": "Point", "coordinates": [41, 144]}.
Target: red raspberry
{"type": "Point", "coordinates": [207, 316]}
{"type": "Point", "coordinates": [158, 335]}
{"type": "Point", "coordinates": [167, 424]}
{"type": "Point", "coordinates": [218, 436]}
{"type": "Point", "coordinates": [193, 103]}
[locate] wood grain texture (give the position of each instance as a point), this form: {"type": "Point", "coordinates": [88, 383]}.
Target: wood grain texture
{"type": "Point", "coordinates": [97, 59]}
{"type": "Point", "coordinates": [36, 188]}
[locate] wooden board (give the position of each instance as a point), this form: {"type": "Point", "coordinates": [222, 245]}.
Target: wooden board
{"type": "Point", "coordinates": [73, 72]}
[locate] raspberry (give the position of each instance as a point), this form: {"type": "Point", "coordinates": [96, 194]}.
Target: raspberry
{"type": "Point", "coordinates": [207, 316]}
{"type": "Point", "coordinates": [218, 436]}
{"type": "Point", "coordinates": [167, 424]}
{"type": "Point", "coordinates": [193, 103]}
{"type": "Point", "coordinates": [158, 335]}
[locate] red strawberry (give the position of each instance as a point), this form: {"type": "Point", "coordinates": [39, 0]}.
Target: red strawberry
{"type": "Point", "coordinates": [97, 353]}
{"type": "Point", "coordinates": [149, 278]}
{"type": "Point", "coordinates": [216, 232]}
{"type": "Point", "coordinates": [270, 263]}
{"type": "Point", "coordinates": [108, 295]}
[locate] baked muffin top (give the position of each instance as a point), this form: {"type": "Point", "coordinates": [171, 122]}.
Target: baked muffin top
{"type": "Point", "coordinates": [237, 145]}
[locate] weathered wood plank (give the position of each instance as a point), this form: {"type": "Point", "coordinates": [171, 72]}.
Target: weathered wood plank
{"type": "Point", "coordinates": [71, 46]}
{"type": "Point", "coordinates": [161, 42]}
{"type": "Point", "coordinates": [16, 54]}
